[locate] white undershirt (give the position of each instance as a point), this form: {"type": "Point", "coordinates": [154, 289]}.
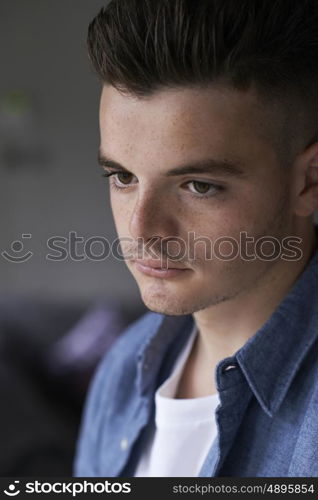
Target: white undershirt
{"type": "Point", "coordinates": [184, 428]}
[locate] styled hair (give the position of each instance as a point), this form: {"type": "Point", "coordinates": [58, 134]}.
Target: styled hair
{"type": "Point", "coordinates": [141, 46]}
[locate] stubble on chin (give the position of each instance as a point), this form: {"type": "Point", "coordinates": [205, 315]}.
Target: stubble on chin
{"type": "Point", "coordinates": [175, 306]}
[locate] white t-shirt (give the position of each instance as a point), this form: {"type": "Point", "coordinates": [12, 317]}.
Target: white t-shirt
{"type": "Point", "coordinates": [184, 428]}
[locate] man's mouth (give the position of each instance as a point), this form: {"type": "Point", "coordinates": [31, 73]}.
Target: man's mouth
{"type": "Point", "coordinates": [159, 269]}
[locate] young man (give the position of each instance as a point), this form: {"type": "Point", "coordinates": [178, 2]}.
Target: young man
{"type": "Point", "coordinates": [209, 131]}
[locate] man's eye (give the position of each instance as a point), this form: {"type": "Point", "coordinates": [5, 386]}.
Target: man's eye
{"type": "Point", "coordinates": [121, 178]}
{"type": "Point", "coordinates": [124, 177]}
{"type": "Point", "coordinates": [204, 188]}
{"type": "Point", "coordinates": [201, 187]}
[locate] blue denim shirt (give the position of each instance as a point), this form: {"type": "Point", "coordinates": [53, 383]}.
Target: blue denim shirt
{"type": "Point", "coordinates": [267, 419]}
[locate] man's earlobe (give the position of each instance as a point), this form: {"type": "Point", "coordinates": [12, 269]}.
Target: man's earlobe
{"type": "Point", "coordinates": [307, 175]}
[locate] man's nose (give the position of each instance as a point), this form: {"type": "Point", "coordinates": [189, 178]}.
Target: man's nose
{"type": "Point", "coordinates": [152, 216]}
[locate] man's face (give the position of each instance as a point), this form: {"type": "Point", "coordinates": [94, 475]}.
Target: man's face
{"type": "Point", "coordinates": [241, 188]}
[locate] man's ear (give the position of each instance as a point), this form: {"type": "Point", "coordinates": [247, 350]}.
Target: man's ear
{"type": "Point", "coordinates": [306, 169]}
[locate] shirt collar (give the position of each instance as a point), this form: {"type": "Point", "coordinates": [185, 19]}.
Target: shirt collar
{"type": "Point", "coordinates": [271, 358]}
{"type": "Point", "coordinates": [164, 340]}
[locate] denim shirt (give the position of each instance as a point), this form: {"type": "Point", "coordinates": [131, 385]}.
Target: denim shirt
{"type": "Point", "coordinates": [267, 419]}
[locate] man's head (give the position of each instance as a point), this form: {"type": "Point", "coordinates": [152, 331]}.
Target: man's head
{"type": "Point", "coordinates": [232, 85]}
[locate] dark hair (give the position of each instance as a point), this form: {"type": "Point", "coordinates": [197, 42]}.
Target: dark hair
{"type": "Point", "coordinates": [140, 46]}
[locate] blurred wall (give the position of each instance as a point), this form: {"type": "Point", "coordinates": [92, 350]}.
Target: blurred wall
{"type": "Point", "coordinates": [50, 182]}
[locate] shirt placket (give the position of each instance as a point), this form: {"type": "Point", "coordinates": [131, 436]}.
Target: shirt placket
{"type": "Point", "coordinates": [234, 394]}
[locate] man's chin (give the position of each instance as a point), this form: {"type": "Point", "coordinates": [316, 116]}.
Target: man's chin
{"type": "Point", "coordinates": [168, 311]}
{"type": "Point", "coordinates": [171, 307]}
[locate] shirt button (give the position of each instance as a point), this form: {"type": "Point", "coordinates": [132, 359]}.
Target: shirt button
{"type": "Point", "coordinates": [124, 444]}
{"type": "Point", "coordinates": [228, 367]}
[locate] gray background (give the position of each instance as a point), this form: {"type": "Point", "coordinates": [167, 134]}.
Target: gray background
{"type": "Point", "coordinates": [43, 55]}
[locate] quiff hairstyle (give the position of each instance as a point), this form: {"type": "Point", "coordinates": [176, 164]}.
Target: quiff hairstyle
{"type": "Point", "coordinates": [143, 46]}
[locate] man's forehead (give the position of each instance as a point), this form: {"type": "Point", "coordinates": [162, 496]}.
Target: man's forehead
{"type": "Point", "coordinates": [186, 107]}
{"type": "Point", "coordinates": [180, 111]}
{"type": "Point", "coordinates": [217, 119]}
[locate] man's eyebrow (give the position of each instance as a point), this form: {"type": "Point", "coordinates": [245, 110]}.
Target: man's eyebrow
{"type": "Point", "coordinates": [107, 162]}
{"type": "Point", "coordinates": [210, 166]}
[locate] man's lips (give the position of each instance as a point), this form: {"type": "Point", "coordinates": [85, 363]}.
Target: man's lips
{"type": "Point", "coordinates": [157, 269]}
{"type": "Point", "coordinates": [158, 264]}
